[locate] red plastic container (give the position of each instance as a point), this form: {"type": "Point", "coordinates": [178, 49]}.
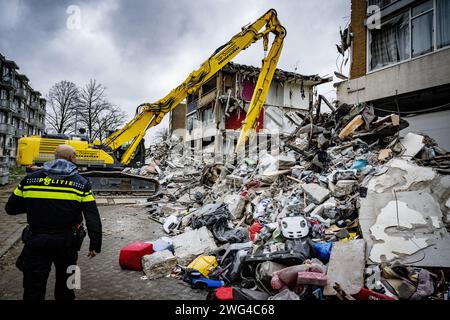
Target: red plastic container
{"type": "Point", "coordinates": [254, 229]}
{"type": "Point", "coordinates": [130, 255]}
{"type": "Point", "coordinates": [366, 294]}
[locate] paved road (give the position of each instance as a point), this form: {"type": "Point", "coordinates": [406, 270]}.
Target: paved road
{"type": "Point", "coordinates": [10, 226]}
{"type": "Point", "coordinates": [102, 277]}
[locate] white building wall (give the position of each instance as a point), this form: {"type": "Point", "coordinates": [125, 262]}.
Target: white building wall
{"type": "Point", "coordinates": [427, 71]}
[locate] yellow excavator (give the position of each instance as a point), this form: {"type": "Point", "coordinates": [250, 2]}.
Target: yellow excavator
{"type": "Point", "coordinates": [103, 162]}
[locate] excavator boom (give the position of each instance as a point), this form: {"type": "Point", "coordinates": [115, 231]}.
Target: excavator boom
{"type": "Point", "coordinates": [151, 114]}
{"type": "Point", "coordinates": [35, 150]}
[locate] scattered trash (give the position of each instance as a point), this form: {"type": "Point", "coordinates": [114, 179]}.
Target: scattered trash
{"type": "Point", "coordinates": [289, 225]}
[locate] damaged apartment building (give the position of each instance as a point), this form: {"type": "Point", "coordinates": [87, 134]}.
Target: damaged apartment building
{"type": "Point", "coordinates": [400, 62]}
{"type": "Point", "coordinates": [22, 112]}
{"type": "Point", "coordinates": [209, 123]}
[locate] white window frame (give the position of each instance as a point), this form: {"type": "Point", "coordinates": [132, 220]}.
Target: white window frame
{"type": "Point", "coordinates": [409, 10]}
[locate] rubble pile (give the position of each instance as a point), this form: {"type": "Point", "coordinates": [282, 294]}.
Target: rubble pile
{"type": "Point", "coordinates": [289, 225]}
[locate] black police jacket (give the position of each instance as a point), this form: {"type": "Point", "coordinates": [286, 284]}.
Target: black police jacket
{"type": "Point", "coordinates": [56, 205]}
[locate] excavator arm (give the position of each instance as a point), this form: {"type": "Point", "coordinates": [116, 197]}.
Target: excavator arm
{"type": "Point", "coordinates": [151, 114]}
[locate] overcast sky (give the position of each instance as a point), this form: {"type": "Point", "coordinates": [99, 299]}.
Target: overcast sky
{"type": "Point", "coordinates": [142, 49]}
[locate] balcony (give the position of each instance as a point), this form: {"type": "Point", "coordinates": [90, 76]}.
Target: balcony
{"type": "Point", "coordinates": [34, 105]}
{"type": "Point", "coordinates": [7, 105]}
{"type": "Point", "coordinates": [21, 93]}
{"type": "Point", "coordinates": [20, 132]}
{"type": "Point", "coordinates": [20, 113]}
{"type": "Point", "coordinates": [6, 128]}
{"type": "Point", "coordinates": [34, 122]}
{"type": "Point", "coordinates": [7, 82]}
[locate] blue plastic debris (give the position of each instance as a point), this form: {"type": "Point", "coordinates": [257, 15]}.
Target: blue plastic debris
{"type": "Point", "coordinates": [359, 164]}
{"type": "Point", "coordinates": [323, 250]}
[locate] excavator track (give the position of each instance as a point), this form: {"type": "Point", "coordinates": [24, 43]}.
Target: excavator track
{"type": "Point", "coordinates": [107, 183]}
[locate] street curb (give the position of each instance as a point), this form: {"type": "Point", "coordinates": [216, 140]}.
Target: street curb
{"type": "Point", "coordinates": [10, 242]}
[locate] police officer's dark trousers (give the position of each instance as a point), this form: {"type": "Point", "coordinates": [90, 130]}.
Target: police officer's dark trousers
{"type": "Point", "coordinates": [40, 252]}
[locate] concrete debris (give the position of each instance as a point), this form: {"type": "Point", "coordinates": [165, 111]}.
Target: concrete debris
{"type": "Point", "coordinates": [401, 175]}
{"type": "Point", "coordinates": [189, 245]}
{"type": "Point", "coordinates": [296, 221]}
{"type": "Point", "coordinates": [390, 246]}
{"type": "Point", "coordinates": [346, 267]}
{"type": "Point", "coordinates": [317, 193]}
{"type": "Point", "coordinates": [158, 264]}
{"type": "Point", "coordinates": [412, 143]}
{"type": "Point", "coordinates": [418, 237]}
{"type": "Point", "coordinates": [344, 188]}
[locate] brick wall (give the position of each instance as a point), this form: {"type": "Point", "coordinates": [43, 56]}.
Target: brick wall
{"type": "Point", "coordinates": [358, 14]}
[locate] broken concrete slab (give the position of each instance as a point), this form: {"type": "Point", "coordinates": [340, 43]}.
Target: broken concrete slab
{"type": "Point", "coordinates": [412, 143]}
{"type": "Point", "coordinates": [345, 188]}
{"type": "Point", "coordinates": [309, 208]}
{"type": "Point", "coordinates": [317, 193]}
{"type": "Point", "coordinates": [285, 162]}
{"type": "Point", "coordinates": [236, 205]}
{"type": "Point", "coordinates": [437, 238]}
{"type": "Point", "coordinates": [192, 243]}
{"type": "Point", "coordinates": [346, 267]}
{"type": "Point", "coordinates": [158, 264]}
{"type": "Point", "coordinates": [389, 246]}
{"type": "Point", "coordinates": [401, 175]}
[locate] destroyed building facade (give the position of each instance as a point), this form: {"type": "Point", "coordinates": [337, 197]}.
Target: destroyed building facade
{"type": "Point", "coordinates": [400, 58]}
{"type": "Point", "coordinates": [22, 112]}
{"type": "Point", "coordinates": [212, 117]}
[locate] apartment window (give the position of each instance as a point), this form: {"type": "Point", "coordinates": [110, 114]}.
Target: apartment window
{"type": "Point", "coordinates": [421, 29]}
{"type": "Point", "coordinates": [207, 115]}
{"type": "Point", "coordinates": [442, 23]}
{"type": "Point", "coordinates": [209, 86]}
{"type": "Point", "coordinates": [191, 122]}
{"type": "Point", "coordinates": [390, 44]}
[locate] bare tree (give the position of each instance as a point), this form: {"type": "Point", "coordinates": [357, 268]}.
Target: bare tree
{"type": "Point", "coordinates": [109, 120]}
{"type": "Point", "coordinates": [62, 99]}
{"type": "Point", "coordinates": [96, 114]}
{"type": "Point", "coordinates": [92, 104]}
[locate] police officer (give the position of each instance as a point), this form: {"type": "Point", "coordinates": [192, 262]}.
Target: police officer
{"type": "Point", "coordinates": [54, 199]}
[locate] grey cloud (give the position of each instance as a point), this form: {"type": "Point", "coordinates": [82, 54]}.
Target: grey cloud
{"type": "Point", "coordinates": [141, 49]}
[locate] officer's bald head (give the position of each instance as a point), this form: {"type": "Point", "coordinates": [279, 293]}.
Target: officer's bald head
{"type": "Point", "coordinates": [66, 152]}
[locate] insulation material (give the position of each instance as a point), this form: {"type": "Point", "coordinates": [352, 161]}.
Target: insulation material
{"type": "Point", "coordinates": [234, 121]}
{"type": "Point", "coordinates": [247, 90]}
